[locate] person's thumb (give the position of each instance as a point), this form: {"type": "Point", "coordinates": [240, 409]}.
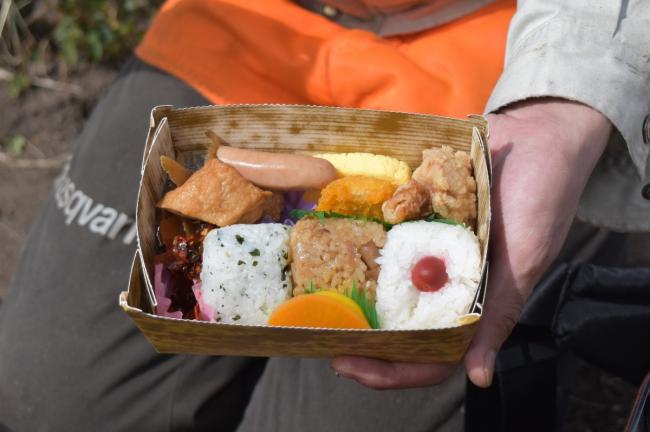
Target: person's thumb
{"type": "Point", "coordinates": [502, 307]}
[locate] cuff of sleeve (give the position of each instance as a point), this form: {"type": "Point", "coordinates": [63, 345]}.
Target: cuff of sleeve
{"type": "Point", "coordinates": [546, 65]}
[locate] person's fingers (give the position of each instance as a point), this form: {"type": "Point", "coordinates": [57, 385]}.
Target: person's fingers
{"type": "Point", "coordinates": [384, 375]}
{"type": "Point", "coordinates": [502, 308]}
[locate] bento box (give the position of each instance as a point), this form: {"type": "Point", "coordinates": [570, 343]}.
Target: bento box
{"type": "Point", "coordinates": [181, 134]}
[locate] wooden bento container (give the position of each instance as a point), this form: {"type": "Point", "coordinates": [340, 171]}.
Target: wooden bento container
{"type": "Point", "coordinates": [181, 134]}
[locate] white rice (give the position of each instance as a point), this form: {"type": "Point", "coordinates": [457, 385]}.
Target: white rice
{"type": "Point", "coordinates": [400, 305]}
{"type": "Point", "coordinates": [245, 273]}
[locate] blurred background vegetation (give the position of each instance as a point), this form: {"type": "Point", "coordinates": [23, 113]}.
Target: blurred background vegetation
{"type": "Point", "coordinates": [56, 59]}
{"type": "Point", "coordinates": [44, 42]}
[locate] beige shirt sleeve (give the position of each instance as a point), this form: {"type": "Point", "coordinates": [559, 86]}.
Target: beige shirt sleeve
{"type": "Point", "coordinates": [592, 51]}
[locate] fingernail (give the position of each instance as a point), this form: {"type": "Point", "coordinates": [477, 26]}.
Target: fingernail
{"type": "Point", "coordinates": [488, 366]}
{"type": "Point", "coordinates": [340, 372]}
{"type": "Point", "coordinates": [335, 370]}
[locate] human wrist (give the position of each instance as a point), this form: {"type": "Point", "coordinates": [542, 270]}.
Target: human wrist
{"type": "Point", "coordinates": [578, 131]}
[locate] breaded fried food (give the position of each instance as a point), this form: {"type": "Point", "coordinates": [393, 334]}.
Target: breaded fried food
{"type": "Point", "coordinates": [448, 176]}
{"type": "Point", "coordinates": [443, 184]}
{"type": "Point", "coordinates": [333, 253]}
{"type": "Point", "coordinates": [378, 166]}
{"type": "Point", "coordinates": [409, 202]}
{"type": "Point", "coordinates": [356, 196]}
{"type": "Point", "coordinates": [219, 195]}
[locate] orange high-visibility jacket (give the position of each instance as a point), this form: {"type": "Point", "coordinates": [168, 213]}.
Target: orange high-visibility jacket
{"type": "Point", "coordinates": [274, 51]}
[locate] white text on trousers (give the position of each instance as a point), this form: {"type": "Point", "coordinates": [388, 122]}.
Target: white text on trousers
{"type": "Point", "coordinates": [98, 218]}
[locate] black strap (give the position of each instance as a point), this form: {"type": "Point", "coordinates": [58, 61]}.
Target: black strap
{"type": "Point", "coordinates": [523, 393]}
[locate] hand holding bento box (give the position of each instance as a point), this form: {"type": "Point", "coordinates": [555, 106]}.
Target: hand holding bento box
{"type": "Point", "coordinates": [544, 151]}
{"type": "Point", "coordinates": [276, 230]}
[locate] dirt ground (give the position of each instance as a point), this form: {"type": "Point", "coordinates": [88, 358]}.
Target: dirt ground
{"type": "Point", "coordinates": [50, 120]}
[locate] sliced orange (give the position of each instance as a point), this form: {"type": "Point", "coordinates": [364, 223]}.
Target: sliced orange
{"type": "Point", "coordinates": [326, 309]}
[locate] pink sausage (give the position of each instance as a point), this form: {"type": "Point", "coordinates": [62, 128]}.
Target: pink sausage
{"type": "Point", "coordinates": [278, 171]}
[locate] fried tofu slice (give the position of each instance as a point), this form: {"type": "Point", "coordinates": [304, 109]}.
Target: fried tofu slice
{"type": "Point", "coordinates": [448, 176]}
{"type": "Point", "coordinates": [177, 173]}
{"type": "Point", "coordinates": [219, 195]}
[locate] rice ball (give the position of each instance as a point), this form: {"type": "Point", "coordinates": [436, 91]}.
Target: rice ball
{"type": "Point", "coordinates": [245, 273]}
{"type": "Point", "coordinates": [400, 305]}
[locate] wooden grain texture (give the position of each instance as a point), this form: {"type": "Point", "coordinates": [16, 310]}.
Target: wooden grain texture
{"type": "Point", "coordinates": [169, 335]}
{"type": "Point", "coordinates": [151, 187]}
{"type": "Point", "coordinates": [484, 211]}
{"type": "Point", "coordinates": [478, 154]}
{"type": "Point", "coordinates": [291, 128]}
{"type": "Point", "coordinates": [484, 134]}
{"type": "Point", "coordinates": [282, 128]}
{"type": "Point", "coordinates": [155, 118]}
